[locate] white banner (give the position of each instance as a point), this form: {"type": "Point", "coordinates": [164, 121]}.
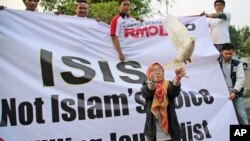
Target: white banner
{"type": "Point", "coordinates": [61, 80]}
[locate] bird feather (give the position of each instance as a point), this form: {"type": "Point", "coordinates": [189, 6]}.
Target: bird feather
{"type": "Point", "coordinates": [182, 42]}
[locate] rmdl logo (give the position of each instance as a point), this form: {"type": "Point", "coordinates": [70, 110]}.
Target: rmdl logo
{"type": "Point", "coordinates": [147, 31]}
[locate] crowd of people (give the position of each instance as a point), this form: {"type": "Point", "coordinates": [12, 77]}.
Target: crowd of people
{"type": "Point", "coordinates": [161, 120]}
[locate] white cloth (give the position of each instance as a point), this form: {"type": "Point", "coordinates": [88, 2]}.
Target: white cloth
{"type": "Point", "coordinates": [219, 29]}
{"type": "Point", "coordinates": [160, 134]}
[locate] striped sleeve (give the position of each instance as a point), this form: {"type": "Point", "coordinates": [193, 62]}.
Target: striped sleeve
{"type": "Point", "coordinates": [113, 26]}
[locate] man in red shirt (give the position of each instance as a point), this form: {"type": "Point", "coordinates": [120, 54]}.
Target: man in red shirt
{"type": "Point", "coordinates": [118, 20]}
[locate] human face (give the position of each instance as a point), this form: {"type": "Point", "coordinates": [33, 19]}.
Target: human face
{"type": "Point", "coordinates": [31, 5]}
{"type": "Point", "coordinates": [219, 7]}
{"type": "Point", "coordinates": [157, 72]}
{"type": "Point", "coordinates": [125, 6]}
{"type": "Point", "coordinates": [81, 10]}
{"type": "Point", "coordinates": [227, 54]}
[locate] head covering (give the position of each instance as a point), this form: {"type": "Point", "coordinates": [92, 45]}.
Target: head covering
{"type": "Point", "coordinates": [160, 100]}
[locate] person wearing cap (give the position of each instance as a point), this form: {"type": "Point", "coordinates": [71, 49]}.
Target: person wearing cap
{"type": "Point", "coordinates": [31, 5]}
{"type": "Point", "coordinates": [81, 8]}
{"type": "Point", "coordinates": [161, 122]}
{"type": "Point", "coordinates": [118, 20]}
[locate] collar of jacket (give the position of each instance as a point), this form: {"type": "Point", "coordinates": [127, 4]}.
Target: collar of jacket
{"type": "Point", "coordinates": [123, 15]}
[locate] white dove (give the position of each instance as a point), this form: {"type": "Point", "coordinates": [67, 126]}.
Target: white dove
{"type": "Point", "coordinates": [183, 43]}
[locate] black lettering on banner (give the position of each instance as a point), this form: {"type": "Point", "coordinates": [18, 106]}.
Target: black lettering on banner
{"type": "Point", "coordinates": [133, 137]}
{"type": "Point", "coordinates": [24, 111]}
{"type": "Point", "coordinates": [39, 110]}
{"type": "Point", "coordinates": [46, 67]}
{"type": "Point", "coordinates": [116, 105]}
{"type": "Point", "coordinates": [112, 105]}
{"type": "Point", "coordinates": [55, 108]}
{"type": "Point", "coordinates": [106, 72]}
{"type": "Point", "coordinates": [81, 101]}
{"type": "Point", "coordinates": [186, 99]}
{"type": "Point", "coordinates": [239, 132]}
{"type": "Point", "coordinates": [95, 111]}
{"type": "Point", "coordinates": [96, 140]}
{"type": "Point", "coordinates": [198, 131]}
{"type": "Point", "coordinates": [209, 99]}
{"type": "Point", "coordinates": [195, 101]}
{"type": "Point", "coordinates": [70, 78]}
{"type": "Point", "coordinates": [70, 114]}
{"type": "Point", "coordinates": [122, 67]}
{"type": "Point", "coordinates": [88, 73]}
{"type": "Point", "coordinates": [192, 98]}
{"type": "Point", "coordinates": [140, 100]}
{"type": "Point", "coordinates": [8, 112]}
{"type": "Point", "coordinates": [59, 139]}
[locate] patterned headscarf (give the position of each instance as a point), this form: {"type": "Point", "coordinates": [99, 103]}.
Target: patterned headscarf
{"type": "Point", "coordinates": [160, 100]}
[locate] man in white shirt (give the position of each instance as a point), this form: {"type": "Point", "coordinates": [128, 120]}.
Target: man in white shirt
{"type": "Point", "coordinates": [219, 23]}
{"type": "Point", "coordinates": [234, 76]}
{"type": "Point", "coordinates": [116, 29]}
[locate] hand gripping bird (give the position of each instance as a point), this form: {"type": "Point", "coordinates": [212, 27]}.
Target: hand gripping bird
{"type": "Point", "coordinates": [182, 42]}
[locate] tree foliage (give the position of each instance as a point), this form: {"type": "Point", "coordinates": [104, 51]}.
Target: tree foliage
{"type": "Point", "coordinates": [109, 9]}
{"type": "Point", "coordinates": [240, 38]}
{"type": "Point", "coordinates": [66, 7]}
{"type": "Point", "coordinates": [103, 9]}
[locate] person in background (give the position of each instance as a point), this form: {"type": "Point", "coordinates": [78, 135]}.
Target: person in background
{"type": "Point", "coordinates": [31, 5]}
{"type": "Point", "coordinates": [161, 122]}
{"type": "Point", "coordinates": [219, 23]}
{"type": "Point", "coordinates": [116, 25]}
{"type": "Point", "coordinates": [234, 76]}
{"type": "Point", "coordinates": [81, 8]}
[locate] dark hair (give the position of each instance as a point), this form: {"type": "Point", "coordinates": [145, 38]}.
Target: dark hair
{"type": "Point", "coordinates": [81, 1]}
{"type": "Point", "coordinates": [120, 1]}
{"type": "Point", "coordinates": [25, 0]}
{"type": "Point", "coordinates": [227, 46]}
{"type": "Point", "coordinates": [219, 1]}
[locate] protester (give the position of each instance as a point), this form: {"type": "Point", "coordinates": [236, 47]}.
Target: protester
{"type": "Point", "coordinates": [234, 76]}
{"type": "Point", "coordinates": [219, 23]}
{"type": "Point", "coordinates": [81, 8]}
{"type": "Point", "coordinates": [116, 25]}
{"type": "Point", "coordinates": [161, 120]}
{"type": "Point", "coordinates": [31, 5]}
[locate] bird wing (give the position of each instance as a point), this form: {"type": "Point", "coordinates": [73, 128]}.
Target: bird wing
{"type": "Point", "coordinates": [177, 32]}
{"type": "Point", "coordinates": [182, 42]}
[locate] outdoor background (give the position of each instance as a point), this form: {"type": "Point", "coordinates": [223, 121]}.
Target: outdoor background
{"type": "Point", "coordinates": [143, 9]}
